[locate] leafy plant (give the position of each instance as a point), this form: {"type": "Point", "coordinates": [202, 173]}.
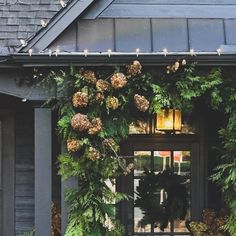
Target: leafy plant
{"type": "Point", "coordinates": [93, 156]}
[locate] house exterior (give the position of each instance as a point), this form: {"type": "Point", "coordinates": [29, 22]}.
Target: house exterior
{"type": "Point", "coordinates": [98, 33]}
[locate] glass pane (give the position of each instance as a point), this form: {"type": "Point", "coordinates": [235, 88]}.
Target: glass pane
{"type": "Point", "coordinates": [139, 225]}
{"type": "Point", "coordinates": [182, 166]}
{"type": "Point", "coordinates": [162, 160]}
{"type": "Point", "coordinates": [141, 159]}
{"type": "Point", "coordinates": [158, 230]}
{"type": "Point", "coordinates": [139, 127]}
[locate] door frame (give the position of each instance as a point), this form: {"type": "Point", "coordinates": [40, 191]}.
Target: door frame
{"type": "Point", "coordinates": [7, 159]}
{"type": "Point", "coordinates": [173, 143]}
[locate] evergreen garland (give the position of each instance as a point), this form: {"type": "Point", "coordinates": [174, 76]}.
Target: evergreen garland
{"type": "Point", "coordinates": [110, 98]}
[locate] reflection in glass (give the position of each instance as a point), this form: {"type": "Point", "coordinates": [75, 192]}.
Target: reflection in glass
{"type": "Point", "coordinates": [141, 159]}
{"type": "Point", "coordinates": [138, 226]}
{"type": "Point", "coordinates": [139, 127]}
{"type": "Point", "coordinates": [162, 160]}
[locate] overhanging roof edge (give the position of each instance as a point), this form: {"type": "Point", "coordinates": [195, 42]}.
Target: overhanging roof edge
{"type": "Point", "coordinates": [57, 25]}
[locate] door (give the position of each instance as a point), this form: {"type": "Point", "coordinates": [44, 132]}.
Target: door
{"type": "Point", "coordinates": [180, 158]}
{"type": "Point", "coordinates": [7, 173]}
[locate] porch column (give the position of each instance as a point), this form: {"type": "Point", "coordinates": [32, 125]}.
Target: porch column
{"type": "Point", "coordinates": [68, 184]}
{"type": "Point", "coordinates": [43, 171]}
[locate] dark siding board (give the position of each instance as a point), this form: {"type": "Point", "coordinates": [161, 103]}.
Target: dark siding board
{"type": "Point", "coordinates": [230, 26]}
{"type": "Point", "coordinates": [24, 168]}
{"type": "Point", "coordinates": [66, 41]}
{"type": "Point", "coordinates": [206, 34]}
{"type": "Point", "coordinates": [96, 35]}
{"type": "Point", "coordinates": [132, 34]}
{"type": "Point", "coordinates": [171, 34]}
{"type": "Point", "coordinates": [169, 11]}
{"type": "Point", "coordinates": [177, 2]}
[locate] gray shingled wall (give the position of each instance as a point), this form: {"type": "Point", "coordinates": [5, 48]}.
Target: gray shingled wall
{"type": "Point", "coordinates": [20, 19]}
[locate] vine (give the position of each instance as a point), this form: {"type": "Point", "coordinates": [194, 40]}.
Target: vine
{"type": "Point", "coordinates": [96, 109]}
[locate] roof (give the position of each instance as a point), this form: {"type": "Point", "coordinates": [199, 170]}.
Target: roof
{"type": "Point", "coordinates": [123, 25]}
{"type": "Point", "coordinates": [20, 19]}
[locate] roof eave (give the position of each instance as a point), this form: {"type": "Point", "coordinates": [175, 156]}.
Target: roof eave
{"type": "Point", "coordinates": [98, 59]}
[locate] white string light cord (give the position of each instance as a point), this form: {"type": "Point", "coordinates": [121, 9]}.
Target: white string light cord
{"type": "Point", "coordinates": [109, 53]}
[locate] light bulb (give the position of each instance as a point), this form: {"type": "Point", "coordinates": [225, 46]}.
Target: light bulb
{"type": "Point", "coordinates": [30, 52]}
{"type": "Point", "coordinates": [57, 52]}
{"type": "Point", "coordinates": [85, 52]}
{"type": "Point", "coordinates": [192, 53]}
{"type": "Point", "coordinates": [137, 52]}
{"type": "Point", "coordinates": [23, 42]}
{"type": "Point", "coordinates": [219, 51]}
{"type": "Point", "coordinates": [63, 4]}
{"type": "Point", "coordinates": [165, 51]}
{"type": "Point", "coordinates": [109, 51]}
{"type": "Point", "coordinates": [43, 23]}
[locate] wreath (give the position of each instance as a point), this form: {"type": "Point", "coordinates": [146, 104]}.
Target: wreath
{"type": "Point", "coordinates": [175, 203]}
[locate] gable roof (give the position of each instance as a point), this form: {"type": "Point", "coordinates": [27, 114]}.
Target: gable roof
{"type": "Point", "coordinates": [20, 19]}
{"type": "Point", "coordinates": [64, 19]}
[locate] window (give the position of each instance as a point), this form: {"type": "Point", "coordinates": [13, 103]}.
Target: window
{"type": "Point", "coordinates": [178, 154]}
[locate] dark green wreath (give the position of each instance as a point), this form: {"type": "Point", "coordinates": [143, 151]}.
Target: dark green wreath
{"type": "Point", "coordinates": [148, 200]}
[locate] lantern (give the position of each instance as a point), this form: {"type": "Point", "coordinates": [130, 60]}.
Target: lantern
{"type": "Point", "coordinates": [168, 120]}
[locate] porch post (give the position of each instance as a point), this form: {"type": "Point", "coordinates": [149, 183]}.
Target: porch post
{"type": "Point", "coordinates": [68, 184]}
{"type": "Point", "coordinates": [43, 171]}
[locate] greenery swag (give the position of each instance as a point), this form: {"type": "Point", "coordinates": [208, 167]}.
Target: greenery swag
{"type": "Point", "coordinates": [96, 109]}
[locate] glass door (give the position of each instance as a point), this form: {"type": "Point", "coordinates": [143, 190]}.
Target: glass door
{"type": "Point", "coordinates": [169, 159]}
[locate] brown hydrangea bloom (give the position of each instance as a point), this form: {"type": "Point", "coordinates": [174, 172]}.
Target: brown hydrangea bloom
{"type": "Point", "coordinates": [89, 76]}
{"type": "Point", "coordinates": [102, 85]}
{"type": "Point", "coordinates": [99, 97]}
{"type": "Point", "coordinates": [80, 122]}
{"type": "Point", "coordinates": [80, 99]}
{"type": "Point", "coordinates": [93, 154]}
{"type": "Point", "coordinates": [73, 145]}
{"type": "Point", "coordinates": [141, 102]}
{"type": "Point", "coordinates": [112, 102]}
{"type": "Point", "coordinates": [118, 80]}
{"type": "Point", "coordinates": [95, 127]}
{"type": "Point", "coordinates": [134, 69]}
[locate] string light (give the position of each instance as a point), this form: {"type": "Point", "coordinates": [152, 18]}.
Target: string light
{"type": "Point", "coordinates": [165, 51]}
{"type": "Point", "coordinates": [50, 52]}
{"type": "Point", "coordinates": [23, 42]}
{"type": "Point", "coordinates": [63, 4]}
{"type": "Point", "coordinates": [24, 99]}
{"type": "Point", "coordinates": [85, 52]}
{"type": "Point", "coordinates": [137, 52]}
{"type": "Point", "coordinates": [43, 23]}
{"type": "Point", "coordinates": [219, 51]}
{"type": "Point", "coordinates": [192, 53]}
{"type": "Point", "coordinates": [109, 51]}
{"type": "Point", "coordinates": [30, 52]}
{"type": "Point", "coordinates": [57, 52]}
{"type": "Point", "coordinates": [184, 62]}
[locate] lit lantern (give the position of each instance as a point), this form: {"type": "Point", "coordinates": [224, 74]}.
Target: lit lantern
{"type": "Point", "coordinates": [169, 120]}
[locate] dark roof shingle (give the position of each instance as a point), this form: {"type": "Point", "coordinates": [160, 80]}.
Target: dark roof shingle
{"type": "Point", "coordinates": [20, 19]}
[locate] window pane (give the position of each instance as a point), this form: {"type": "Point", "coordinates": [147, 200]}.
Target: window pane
{"type": "Point", "coordinates": [182, 166]}
{"type": "Point", "coordinates": [162, 160]}
{"type": "Point", "coordinates": [139, 226]}
{"type": "Point", "coordinates": [141, 159]}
